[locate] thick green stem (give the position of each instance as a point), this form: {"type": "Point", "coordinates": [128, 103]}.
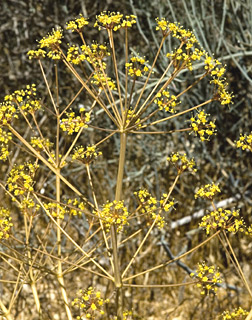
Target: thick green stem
{"type": "Point", "coordinates": [118, 196]}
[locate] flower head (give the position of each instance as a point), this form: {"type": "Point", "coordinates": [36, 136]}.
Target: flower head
{"type": "Point", "coordinates": [90, 303]}
{"type": "Point", "coordinates": [202, 127]}
{"type": "Point", "coordinates": [207, 278]}
{"type": "Point", "coordinates": [137, 67]}
{"type": "Point", "coordinates": [208, 191]}
{"type": "Point", "coordinates": [223, 219]}
{"type": "Point", "coordinates": [181, 162]}
{"type": "Point", "coordinates": [5, 223]}
{"type": "Point", "coordinates": [86, 155]}
{"type": "Point", "coordinates": [114, 213]}
{"type": "Point", "coordinates": [245, 142]}
{"type": "Point", "coordinates": [78, 24]}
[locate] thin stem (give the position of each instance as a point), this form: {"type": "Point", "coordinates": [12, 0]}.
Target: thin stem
{"type": "Point", "coordinates": [6, 312]}
{"type": "Point", "coordinates": [150, 72]}
{"type": "Point", "coordinates": [71, 239]}
{"type": "Point", "coordinates": [238, 264]}
{"type": "Point", "coordinates": [98, 211]}
{"type": "Point", "coordinates": [139, 248]}
{"type": "Point", "coordinates": [47, 85]}
{"type": "Point", "coordinates": [111, 41]}
{"type": "Point", "coordinates": [173, 260]}
{"type": "Point", "coordinates": [159, 285]}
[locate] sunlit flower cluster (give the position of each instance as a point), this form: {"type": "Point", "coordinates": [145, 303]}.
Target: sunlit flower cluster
{"type": "Point", "coordinates": [25, 99]}
{"type": "Point", "coordinates": [85, 155]}
{"type": "Point", "coordinates": [5, 223]}
{"type": "Point", "coordinates": [221, 94]}
{"type": "Point", "coordinates": [74, 56]}
{"type": "Point", "coordinates": [127, 315]}
{"type": "Point", "coordinates": [95, 53]}
{"type": "Point", "coordinates": [78, 24]}
{"type": "Point", "coordinates": [149, 207]}
{"type": "Point", "coordinates": [103, 81]}
{"type": "Point", "coordinates": [130, 118]}
{"type": "Point", "coordinates": [202, 127]}
{"type": "Point", "coordinates": [207, 278]}
{"type": "Point", "coordinates": [245, 142]}
{"type": "Point", "coordinates": [52, 41]}
{"type": "Point", "coordinates": [114, 213]}
{"type": "Point", "coordinates": [74, 123]}
{"type": "Point", "coordinates": [209, 191]}
{"type": "Point", "coordinates": [237, 314]}
{"type": "Point", "coordinates": [223, 219]}
{"type": "Point", "coordinates": [90, 304]}
{"type": "Point", "coordinates": [166, 204]}
{"type": "Point", "coordinates": [185, 58]}
{"type": "Point", "coordinates": [73, 207]}
{"type": "Point", "coordinates": [136, 67]}
{"type": "Point", "coordinates": [36, 54]}
{"type": "Point", "coordinates": [20, 180]}
{"type": "Point", "coordinates": [41, 144]}
{"type": "Point", "coordinates": [114, 21]}
{"type": "Point", "coordinates": [165, 101]}
{"type": "Point", "coordinates": [185, 36]}
{"type": "Point", "coordinates": [5, 137]}
{"type": "Point", "coordinates": [181, 162]}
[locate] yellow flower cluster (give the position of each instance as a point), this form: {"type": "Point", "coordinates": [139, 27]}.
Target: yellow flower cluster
{"type": "Point", "coordinates": [130, 119]}
{"type": "Point", "coordinates": [127, 315]}
{"type": "Point", "coordinates": [207, 278]}
{"type": "Point", "coordinates": [208, 191]}
{"type": "Point", "coordinates": [27, 204]}
{"type": "Point", "coordinates": [25, 99]}
{"type": "Point", "coordinates": [201, 127]}
{"type": "Point", "coordinates": [222, 219]}
{"type": "Point", "coordinates": [185, 58]}
{"type": "Point", "coordinates": [185, 36]}
{"type": "Point", "coordinates": [20, 178]}
{"type": "Point", "coordinates": [237, 314]}
{"type": "Point", "coordinates": [114, 213]}
{"type": "Point", "coordinates": [5, 137]}
{"type": "Point", "coordinates": [36, 54]}
{"type": "Point", "coordinates": [90, 303]}
{"type": "Point", "coordinates": [248, 232]}
{"type": "Point", "coordinates": [41, 144]}
{"type": "Point", "coordinates": [79, 206]}
{"type": "Point", "coordinates": [245, 142]}
{"type": "Point", "coordinates": [136, 67]}
{"type": "Point", "coordinates": [164, 102]}
{"type": "Point", "coordinates": [59, 211]}
{"type": "Point", "coordinates": [7, 112]}
{"type": "Point", "coordinates": [5, 223]}
{"type": "Point", "coordinates": [221, 94]}
{"type": "Point", "coordinates": [85, 155]}
{"type": "Point", "coordinates": [149, 206]}
{"type": "Point", "coordinates": [114, 21]}
{"type": "Point", "coordinates": [103, 81]}
{"type": "Point", "coordinates": [95, 53]}
{"type": "Point", "coordinates": [78, 24]}
{"type": "Point", "coordinates": [164, 204]}
{"type": "Point", "coordinates": [74, 56]}
{"type": "Point", "coordinates": [181, 162]}
{"type": "Point", "coordinates": [52, 42]}
{"type": "Point", "coordinates": [74, 123]}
